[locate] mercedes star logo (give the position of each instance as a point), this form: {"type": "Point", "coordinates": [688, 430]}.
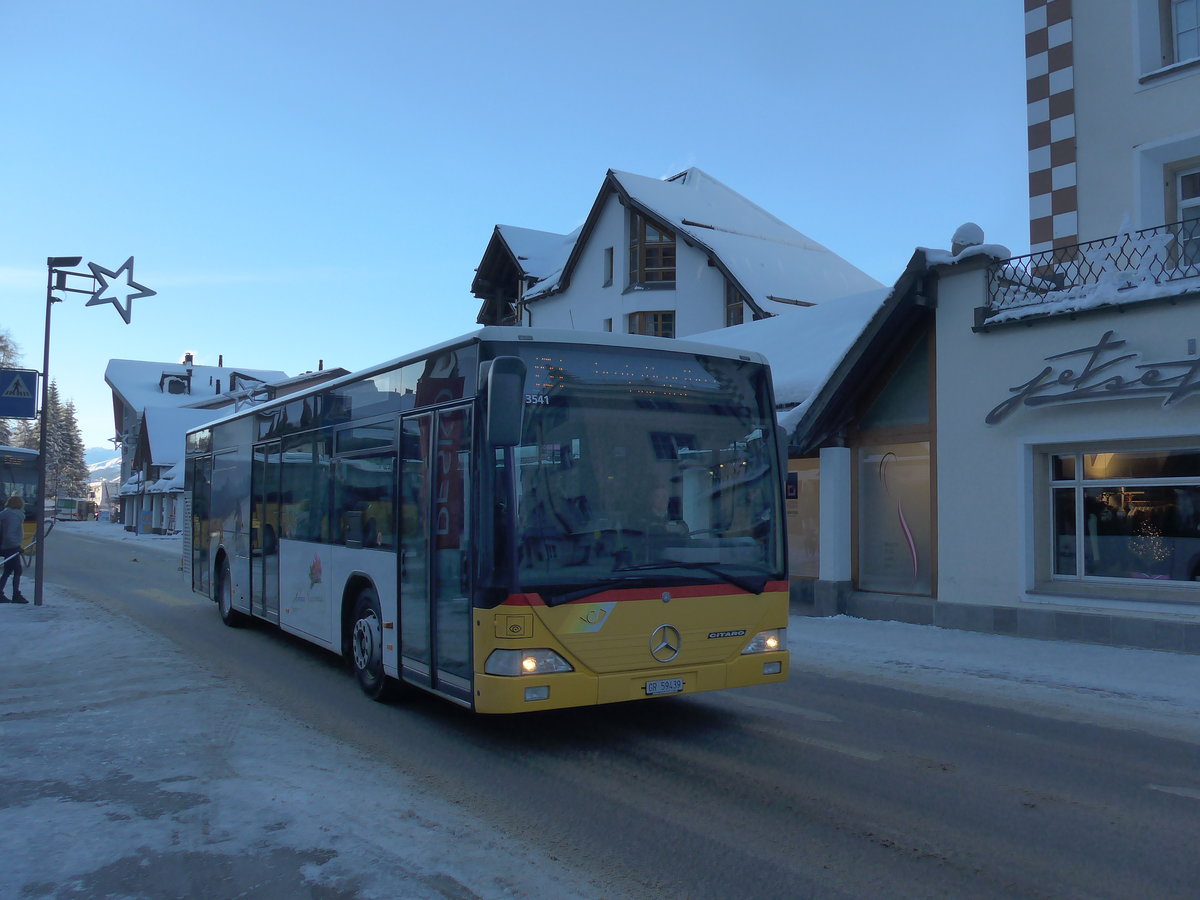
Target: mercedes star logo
{"type": "Point", "coordinates": [665, 643]}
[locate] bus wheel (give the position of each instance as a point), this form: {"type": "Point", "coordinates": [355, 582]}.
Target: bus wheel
{"type": "Point", "coordinates": [229, 615]}
{"type": "Point", "coordinates": [366, 646]}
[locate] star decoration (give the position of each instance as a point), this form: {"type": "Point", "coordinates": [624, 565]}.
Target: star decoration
{"type": "Point", "coordinates": [120, 296]}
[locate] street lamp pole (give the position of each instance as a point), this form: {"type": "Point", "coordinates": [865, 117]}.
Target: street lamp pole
{"type": "Point", "coordinates": [53, 264]}
{"type": "Point", "coordinates": [108, 292]}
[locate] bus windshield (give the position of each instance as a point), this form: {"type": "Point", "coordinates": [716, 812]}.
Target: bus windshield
{"type": "Point", "coordinates": [639, 469]}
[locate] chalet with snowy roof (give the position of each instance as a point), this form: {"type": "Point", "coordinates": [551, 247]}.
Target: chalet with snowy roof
{"type": "Point", "coordinates": [155, 403]}
{"type": "Point", "coordinates": [157, 479]}
{"type": "Point", "coordinates": [669, 257]}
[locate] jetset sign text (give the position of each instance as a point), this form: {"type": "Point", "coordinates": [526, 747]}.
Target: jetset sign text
{"type": "Point", "coordinates": [1106, 375]}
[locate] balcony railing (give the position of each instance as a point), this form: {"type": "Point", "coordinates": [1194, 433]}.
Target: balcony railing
{"type": "Point", "coordinates": [1122, 263]}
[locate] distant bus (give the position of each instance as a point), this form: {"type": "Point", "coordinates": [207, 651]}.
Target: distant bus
{"type": "Point", "coordinates": [515, 520]}
{"type": "Point", "coordinates": [19, 477]}
{"type": "Point", "coordinates": [74, 509]}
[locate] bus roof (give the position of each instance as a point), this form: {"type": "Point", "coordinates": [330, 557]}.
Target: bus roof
{"type": "Point", "coordinates": [19, 451]}
{"type": "Point", "coordinates": [511, 333]}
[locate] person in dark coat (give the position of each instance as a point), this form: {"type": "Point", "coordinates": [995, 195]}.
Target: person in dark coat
{"type": "Point", "coordinates": [12, 532]}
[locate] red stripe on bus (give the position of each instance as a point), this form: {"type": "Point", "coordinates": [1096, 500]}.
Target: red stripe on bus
{"type": "Point", "coordinates": [628, 594]}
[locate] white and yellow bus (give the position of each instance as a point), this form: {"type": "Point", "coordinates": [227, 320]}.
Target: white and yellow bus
{"type": "Point", "coordinates": [516, 520]}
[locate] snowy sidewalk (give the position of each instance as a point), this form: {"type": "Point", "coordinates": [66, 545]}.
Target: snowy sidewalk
{"type": "Point", "coordinates": [1151, 690]}
{"type": "Point", "coordinates": [128, 770]}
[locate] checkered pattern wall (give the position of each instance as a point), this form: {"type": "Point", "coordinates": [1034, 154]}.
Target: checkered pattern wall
{"type": "Point", "coordinates": [1050, 95]}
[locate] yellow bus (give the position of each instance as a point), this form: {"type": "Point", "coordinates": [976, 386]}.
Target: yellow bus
{"type": "Point", "coordinates": [519, 519]}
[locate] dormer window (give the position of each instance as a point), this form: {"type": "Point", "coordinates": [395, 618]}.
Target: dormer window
{"type": "Point", "coordinates": [175, 383]}
{"type": "Point", "coordinates": [651, 252]}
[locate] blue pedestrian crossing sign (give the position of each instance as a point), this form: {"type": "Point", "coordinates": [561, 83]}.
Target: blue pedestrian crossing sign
{"type": "Point", "coordinates": [18, 393]}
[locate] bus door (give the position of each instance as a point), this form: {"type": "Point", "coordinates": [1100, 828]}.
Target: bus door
{"type": "Point", "coordinates": [264, 535]}
{"type": "Point", "coordinates": [200, 479]}
{"type": "Point", "coordinates": [435, 549]}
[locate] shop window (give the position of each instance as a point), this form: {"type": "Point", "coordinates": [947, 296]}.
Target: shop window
{"type": "Point", "coordinates": [1126, 516]}
{"type": "Point", "coordinates": [904, 400]}
{"type": "Point", "coordinates": [895, 523]}
{"type": "Point", "coordinates": [651, 253]}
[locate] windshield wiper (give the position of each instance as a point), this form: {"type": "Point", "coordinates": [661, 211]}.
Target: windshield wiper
{"type": "Point", "coordinates": [754, 584]}
{"type": "Point", "coordinates": [580, 593]}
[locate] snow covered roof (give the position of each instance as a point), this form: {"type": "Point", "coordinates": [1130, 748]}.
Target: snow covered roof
{"type": "Point", "coordinates": [538, 254]}
{"type": "Point", "coordinates": [804, 345]}
{"type": "Point", "coordinates": [140, 384]}
{"type": "Point", "coordinates": [861, 345]}
{"type": "Point", "coordinates": [165, 429]}
{"type": "Point", "coordinates": [170, 482]}
{"type": "Point", "coordinates": [770, 261]}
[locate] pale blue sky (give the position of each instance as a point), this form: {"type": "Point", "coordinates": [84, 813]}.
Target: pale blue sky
{"type": "Point", "coordinates": [312, 180]}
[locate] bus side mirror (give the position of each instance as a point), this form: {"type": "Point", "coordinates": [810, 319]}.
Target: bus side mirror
{"type": "Point", "coordinates": [505, 401]}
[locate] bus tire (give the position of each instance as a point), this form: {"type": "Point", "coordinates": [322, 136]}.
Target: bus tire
{"type": "Point", "coordinates": [366, 646]}
{"type": "Point", "coordinates": [229, 615]}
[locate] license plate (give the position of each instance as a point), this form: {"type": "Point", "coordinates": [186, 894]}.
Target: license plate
{"type": "Point", "coordinates": [664, 686]}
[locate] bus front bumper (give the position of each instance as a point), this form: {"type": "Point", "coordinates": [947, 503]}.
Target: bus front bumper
{"type": "Point", "coordinates": [505, 694]}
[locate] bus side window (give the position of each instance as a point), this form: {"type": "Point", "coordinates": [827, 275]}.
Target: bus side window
{"type": "Point", "coordinates": [306, 474]}
{"type": "Point", "coordinates": [365, 501]}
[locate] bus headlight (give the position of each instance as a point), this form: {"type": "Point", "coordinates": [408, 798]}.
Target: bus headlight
{"type": "Point", "coordinates": [525, 662]}
{"type": "Point", "coordinates": [767, 641]}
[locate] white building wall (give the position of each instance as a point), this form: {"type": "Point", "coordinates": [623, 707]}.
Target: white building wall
{"type": "Point", "coordinates": [990, 477]}
{"type": "Point", "coordinates": [698, 299]}
{"type": "Point", "coordinates": [977, 488]}
{"type": "Point", "coordinates": [1124, 111]}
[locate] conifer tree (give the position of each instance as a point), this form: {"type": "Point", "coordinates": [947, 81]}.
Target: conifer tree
{"type": "Point", "coordinates": [10, 354]}
{"type": "Point", "coordinates": [66, 471]}
{"type": "Point", "coordinates": [74, 466]}
{"type": "Point", "coordinates": [25, 434]}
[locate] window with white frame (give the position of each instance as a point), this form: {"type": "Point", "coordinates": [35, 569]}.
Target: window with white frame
{"type": "Point", "coordinates": [1167, 34]}
{"type": "Point", "coordinates": [1125, 516]}
{"type": "Point", "coordinates": [1183, 26]}
{"type": "Point", "coordinates": [1187, 193]}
